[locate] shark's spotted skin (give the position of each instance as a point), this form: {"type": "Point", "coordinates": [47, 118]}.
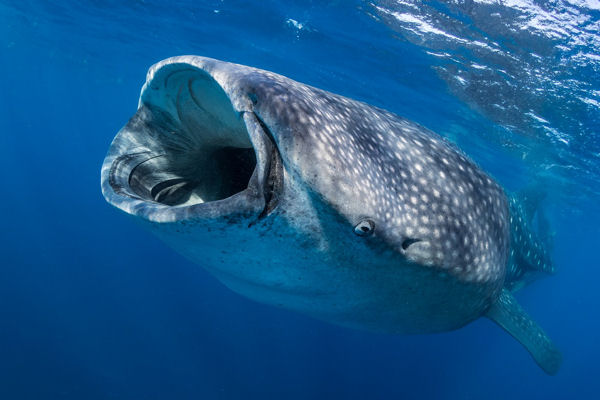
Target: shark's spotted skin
{"type": "Point", "coordinates": [304, 199]}
{"type": "Point", "coordinates": [417, 185]}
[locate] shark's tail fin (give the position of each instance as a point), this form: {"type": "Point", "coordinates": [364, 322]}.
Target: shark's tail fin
{"type": "Point", "coordinates": [531, 199]}
{"type": "Point", "coordinates": [531, 238]}
{"type": "Point", "coordinates": [507, 313]}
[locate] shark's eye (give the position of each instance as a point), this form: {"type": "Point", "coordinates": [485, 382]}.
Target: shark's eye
{"type": "Point", "coordinates": [364, 227]}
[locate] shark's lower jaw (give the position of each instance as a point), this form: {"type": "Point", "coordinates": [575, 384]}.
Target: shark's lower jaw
{"type": "Point", "coordinates": [188, 148]}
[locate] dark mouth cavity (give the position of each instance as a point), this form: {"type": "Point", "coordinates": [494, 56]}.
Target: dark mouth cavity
{"type": "Point", "coordinates": [200, 150]}
{"type": "Point", "coordinates": [213, 175]}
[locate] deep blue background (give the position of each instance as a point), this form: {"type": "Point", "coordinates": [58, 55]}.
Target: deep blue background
{"type": "Point", "coordinates": [92, 306]}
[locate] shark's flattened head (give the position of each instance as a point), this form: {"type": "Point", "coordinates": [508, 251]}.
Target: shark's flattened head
{"type": "Point", "coordinates": [301, 198]}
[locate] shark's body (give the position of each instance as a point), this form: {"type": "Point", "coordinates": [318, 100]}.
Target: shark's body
{"type": "Point", "coordinates": [304, 199]}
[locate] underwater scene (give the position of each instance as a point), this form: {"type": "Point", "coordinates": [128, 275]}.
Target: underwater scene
{"type": "Point", "coordinates": [232, 199]}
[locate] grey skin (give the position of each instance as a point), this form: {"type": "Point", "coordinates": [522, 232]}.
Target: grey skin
{"type": "Point", "coordinates": [300, 198]}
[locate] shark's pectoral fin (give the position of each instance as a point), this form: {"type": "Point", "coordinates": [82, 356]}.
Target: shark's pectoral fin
{"type": "Point", "coordinates": [507, 313]}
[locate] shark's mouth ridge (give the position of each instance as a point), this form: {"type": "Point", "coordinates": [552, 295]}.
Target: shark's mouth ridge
{"type": "Point", "coordinates": [187, 152]}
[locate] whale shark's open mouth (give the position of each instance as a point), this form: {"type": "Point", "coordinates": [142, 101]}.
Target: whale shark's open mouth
{"type": "Point", "coordinates": [170, 178]}
{"type": "Point", "coordinates": [204, 160]}
{"type": "Point", "coordinates": [187, 146]}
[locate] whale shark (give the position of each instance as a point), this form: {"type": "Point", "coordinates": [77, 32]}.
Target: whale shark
{"type": "Point", "coordinates": [307, 200]}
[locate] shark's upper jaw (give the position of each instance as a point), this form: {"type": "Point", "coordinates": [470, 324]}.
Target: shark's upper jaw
{"type": "Point", "coordinates": [187, 153]}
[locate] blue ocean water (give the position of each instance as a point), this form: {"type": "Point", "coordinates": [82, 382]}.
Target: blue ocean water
{"type": "Point", "coordinates": [94, 307]}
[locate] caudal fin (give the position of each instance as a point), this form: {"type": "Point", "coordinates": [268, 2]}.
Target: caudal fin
{"type": "Point", "coordinates": [507, 313]}
{"type": "Point", "coordinates": [531, 199]}
{"type": "Point", "coordinates": [530, 239]}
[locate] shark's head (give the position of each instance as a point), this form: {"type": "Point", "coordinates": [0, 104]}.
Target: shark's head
{"type": "Point", "coordinates": [299, 197]}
